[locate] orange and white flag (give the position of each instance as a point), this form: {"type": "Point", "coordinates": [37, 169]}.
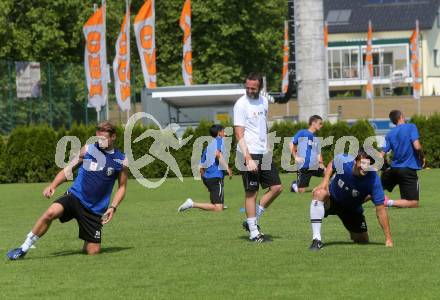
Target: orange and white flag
{"type": "Point", "coordinates": [415, 62]}
{"type": "Point", "coordinates": [121, 64]}
{"type": "Point", "coordinates": [144, 30]}
{"type": "Point", "coordinates": [326, 35]}
{"type": "Point", "coordinates": [95, 58]}
{"type": "Point", "coordinates": [285, 82]}
{"type": "Point", "coordinates": [185, 24]}
{"type": "Point", "coordinates": [369, 63]}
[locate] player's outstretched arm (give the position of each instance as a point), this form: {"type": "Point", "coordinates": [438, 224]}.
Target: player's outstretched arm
{"type": "Point", "coordinates": [64, 174]}
{"type": "Point", "coordinates": [382, 217]}
{"type": "Point", "coordinates": [119, 195]}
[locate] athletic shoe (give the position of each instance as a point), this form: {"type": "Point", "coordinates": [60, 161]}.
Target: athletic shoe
{"type": "Point", "coordinates": [16, 254]}
{"type": "Point", "coordinates": [246, 227]}
{"type": "Point", "coordinates": [294, 187]}
{"type": "Point", "coordinates": [225, 207]}
{"type": "Point", "coordinates": [259, 239]}
{"type": "Point", "coordinates": [186, 205]}
{"type": "Point", "coordinates": [316, 245]}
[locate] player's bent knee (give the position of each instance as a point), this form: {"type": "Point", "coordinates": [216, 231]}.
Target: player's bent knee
{"type": "Point", "coordinates": [320, 194]}
{"type": "Point", "coordinates": [93, 249]}
{"type": "Point", "coordinates": [360, 238]}
{"type": "Point", "coordinates": [301, 190]}
{"type": "Point", "coordinates": [218, 207]}
{"type": "Point", "coordinates": [414, 204]}
{"type": "Point", "coordinates": [53, 212]}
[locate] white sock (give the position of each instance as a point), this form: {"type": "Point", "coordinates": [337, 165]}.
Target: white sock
{"type": "Point", "coordinates": [30, 240]}
{"type": "Point", "coordinates": [390, 203]}
{"type": "Point", "coordinates": [253, 229]}
{"type": "Point", "coordinates": [317, 212]}
{"type": "Point", "coordinates": [260, 211]}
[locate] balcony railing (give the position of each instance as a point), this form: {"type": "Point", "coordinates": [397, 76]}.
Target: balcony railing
{"type": "Point", "coordinates": [352, 73]}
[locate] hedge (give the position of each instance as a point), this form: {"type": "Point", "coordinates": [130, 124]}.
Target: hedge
{"type": "Point", "coordinates": [28, 153]}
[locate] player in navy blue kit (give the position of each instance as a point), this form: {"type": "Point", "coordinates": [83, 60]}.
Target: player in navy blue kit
{"type": "Point", "coordinates": [213, 166]}
{"type": "Point", "coordinates": [306, 151]}
{"type": "Point", "coordinates": [355, 183]}
{"type": "Point", "coordinates": [88, 199]}
{"type": "Point", "coordinates": [408, 158]}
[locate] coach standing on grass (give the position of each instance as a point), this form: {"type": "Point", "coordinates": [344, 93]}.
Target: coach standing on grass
{"type": "Point", "coordinates": [88, 199]}
{"type": "Point", "coordinates": [408, 158]}
{"type": "Point", "coordinates": [250, 126]}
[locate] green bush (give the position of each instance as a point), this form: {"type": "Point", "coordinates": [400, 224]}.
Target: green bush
{"type": "Point", "coordinates": [28, 154]}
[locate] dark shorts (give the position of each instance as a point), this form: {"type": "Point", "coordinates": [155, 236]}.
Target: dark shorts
{"type": "Point", "coordinates": [90, 227]}
{"type": "Point", "coordinates": [352, 220]}
{"type": "Point", "coordinates": [407, 180]}
{"type": "Point", "coordinates": [216, 189]}
{"type": "Point", "coordinates": [265, 178]}
{"type": "Point", "coordinates": [304, 176]}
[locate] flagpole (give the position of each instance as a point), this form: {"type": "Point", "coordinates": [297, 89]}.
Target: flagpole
{"type": "Point", "coordinates": [103, 2]}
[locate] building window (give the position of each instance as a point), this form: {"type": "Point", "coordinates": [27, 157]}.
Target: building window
{"type": "Point", "coordinates": [338, 17]}
{"type": "Point", "coordinates": [436, 59]}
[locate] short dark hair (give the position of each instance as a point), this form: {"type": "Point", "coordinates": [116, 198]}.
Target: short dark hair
{"type": "Point", "coordinates": [256, 76]}
{"type": "Point", "coordinates": [395, 116]}
{"type": "Point", "coordinates": [106, 126]}
{"type": "Point", "coordinates": [314, 118]}
{"type": "Point", "coordinates": [362, 154]}
{"type": "Point", "coordinates": [215, 129]}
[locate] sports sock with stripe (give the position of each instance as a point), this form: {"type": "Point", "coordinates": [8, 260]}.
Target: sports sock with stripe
{"type": "Point", "coordinates": [317, 212]}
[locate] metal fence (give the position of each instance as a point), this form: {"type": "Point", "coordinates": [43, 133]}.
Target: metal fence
{"type": "Point", "coordinates": [62, 103]}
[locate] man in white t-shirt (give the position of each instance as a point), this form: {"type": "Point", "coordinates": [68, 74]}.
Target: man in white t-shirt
{"type": "Point", "coordinates": [250, 126]}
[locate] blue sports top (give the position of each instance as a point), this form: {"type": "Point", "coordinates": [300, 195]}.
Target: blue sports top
{"type": "Point", "coordinates": [308, 148]}
{"type": "Point", "coordinates": [400, 139]}
{"type": "Point", "coordinates": [349, 190]}
{"type": "Point", "coordinates": [96, 177]}
{"type": "Point", "coordinates": [210, 161]}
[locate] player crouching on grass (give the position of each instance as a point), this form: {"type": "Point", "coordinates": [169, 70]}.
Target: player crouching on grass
{"type": "Point", "coordinates": [87, 200]}
{"type": "Point", "coordinates": [211, 170]}
{"type": "Point", "coordinates": [355, 183]}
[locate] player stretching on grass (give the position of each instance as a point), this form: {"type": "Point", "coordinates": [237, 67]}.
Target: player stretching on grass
{"type": "Point", "coordinates": [354, 183]}
{"type": "Point", "coordinates": [250, 125]}
{"type": "Point", "coordinates": [87, 200]}
{"type": "Point", "coordinates": [305, 150]}
{"type": "Point", "coordinates": [408, 158]}
{"type": "Point", "coordinates": [212, 173]}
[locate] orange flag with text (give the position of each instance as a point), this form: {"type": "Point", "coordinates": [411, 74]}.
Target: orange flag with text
{"type": "Point", "coordinates": [144, 30]}
{"type": "Point", "coordinates": [121, 65]}
{"type": "Point", "coordinates": [95, 59]}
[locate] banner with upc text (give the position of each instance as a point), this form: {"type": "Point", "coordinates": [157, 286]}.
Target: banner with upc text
{"type": "Point", "coordinates": [95, 59]}
{"type": "Point", "coordinates": [121, 65]}
{"type": "Point", "coordinates": [144, 30]}
{"type": "Point", "coordinates": [185, 24]}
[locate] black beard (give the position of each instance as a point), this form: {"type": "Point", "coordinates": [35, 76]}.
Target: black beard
{"type": "Point", "coordinates": [253, 95]}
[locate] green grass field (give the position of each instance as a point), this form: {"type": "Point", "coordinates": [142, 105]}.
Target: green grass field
{"type": "Point", "coordinates": [151, 251]}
